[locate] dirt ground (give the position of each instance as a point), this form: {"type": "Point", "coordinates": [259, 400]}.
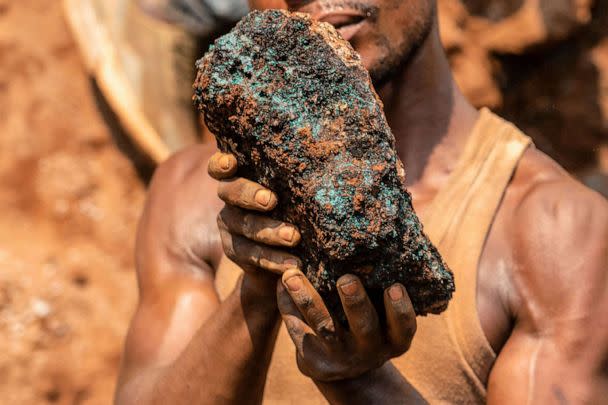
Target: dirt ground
{"type": "Point", "coordinates": [70, 199]}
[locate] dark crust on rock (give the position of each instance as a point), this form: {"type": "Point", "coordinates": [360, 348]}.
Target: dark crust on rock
{"type": "Point", "coordinates": [291, 99]}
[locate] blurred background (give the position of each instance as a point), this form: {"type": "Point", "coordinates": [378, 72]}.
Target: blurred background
{"type": "Point", "coordinates": [71, 189]}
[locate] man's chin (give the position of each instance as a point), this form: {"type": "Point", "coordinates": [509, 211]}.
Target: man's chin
{"type": "Point", "coordinates": [382, 66]}
{"type": "Point", "coordinates": [384, 60]}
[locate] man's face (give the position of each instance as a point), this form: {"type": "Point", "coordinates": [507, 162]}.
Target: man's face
{"type": "Point", "coordinates": [385, 32]}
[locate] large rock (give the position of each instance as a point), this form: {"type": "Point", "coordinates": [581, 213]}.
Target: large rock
{"type": "Point", "coordinates": [291, 100]}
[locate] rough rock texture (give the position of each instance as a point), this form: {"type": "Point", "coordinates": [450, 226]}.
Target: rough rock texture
{"type": "Point", "coordinates": [542, 64]}
{"type": "Point", "coordinates": [292, 101]}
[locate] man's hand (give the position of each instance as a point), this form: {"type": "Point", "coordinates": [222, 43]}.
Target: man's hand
{"type": "Point", "coordinates": [327, 352]}
{"type": "Point", "coordinates": [249, 238]}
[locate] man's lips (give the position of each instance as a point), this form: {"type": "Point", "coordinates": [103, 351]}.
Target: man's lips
{"type": "Point", "coordinates": [346, 22]}
{"type": "Point", "coordinates": [348, 17]}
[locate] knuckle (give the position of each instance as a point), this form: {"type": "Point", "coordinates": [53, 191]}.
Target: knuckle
{"type": "Point", "coordinates": [355, 302]}
{"type": "Point", "coordinates": [248, 191]}
{"type": "Point", "coordinates": [256, 254]}
{"type": "Point", "coordinates": [304, 302]}
{"type": "Point", "coordinates": [290, 323]}
{"type": "Point", "coordinates": [365, 329]}
{"type": "Point", "coordinates": [228, 246]}
{"type": "Point", "coordinates": [223, 190]}
{"type": "Point", "coordinates": [308, 307]}
{"type": "Point", "coordinates": [325, 327]}
{"type": "Point", "coordinates": [243, 201]}
{"type": "Point", "coordinates": [407, 322]}
{"type": "Point", "coordinates": [405, 313]}
{"type": "Point", "coordinates": [232, 192]}
{"type": "Point", "coordinates": [270, 256]}
{"type": "Point", "coordinates": [238, 245]}
{"type": "Point", "coordinates": [261, 235]}
{"type": "Point", "coordinates": [221, 222]}
{"type": "Point", "coordinates": [248, 226]}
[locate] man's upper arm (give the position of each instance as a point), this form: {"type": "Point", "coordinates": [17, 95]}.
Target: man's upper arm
{"type": "Point", "coordinates": [558, 350]}
{"type": "Point", "coordinates": [165, 322]}
{"type": "Point", "coordinates": [175, 250]}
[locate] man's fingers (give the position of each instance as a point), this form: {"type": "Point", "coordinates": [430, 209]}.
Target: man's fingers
{"type": "Point", "coordinates": [246, 194]}
{"type": "Point", "coordinates": [259, 228]}
{"type": "Point", "coordinates": [309, 303]}
{"type": "Point", "coordinates": [361, 314]}
{"type": "Point", "coordinates": [248, 254]}
{"type": "Point", "coordinates": [294, 321]}
{"type": "Point", "coordinates": [311, 352]}
{"type": "Point", "coordinates": [400, 318]}
{"type": "Point", "coordinates": [222, 166]}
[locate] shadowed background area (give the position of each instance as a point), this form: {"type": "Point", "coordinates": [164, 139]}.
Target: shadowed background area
{"type": "Point", "coordinates": [70, 195]}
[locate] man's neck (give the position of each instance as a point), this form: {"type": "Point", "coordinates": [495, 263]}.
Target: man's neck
{"type": "Point", "coordinates": [428, 114]}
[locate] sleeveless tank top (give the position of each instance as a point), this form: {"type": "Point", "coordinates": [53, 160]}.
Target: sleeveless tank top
{"type": "Point", "coordinates": [450, 358]}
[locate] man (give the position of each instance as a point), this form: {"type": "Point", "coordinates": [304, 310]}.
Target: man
{"type": "Point", "coordinates": [528, 246]}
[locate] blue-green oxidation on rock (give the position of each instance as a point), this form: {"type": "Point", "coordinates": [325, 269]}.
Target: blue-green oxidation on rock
{"type": "Point", "coordinates": [292, 101]}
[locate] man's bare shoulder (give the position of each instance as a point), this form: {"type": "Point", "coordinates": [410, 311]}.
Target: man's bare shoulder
{"type": "Point", "coordinates": [182, 204]}
{"type": "Point", "coordinates": [184, 163]}
{"type": "Point", "coordinates": [547, 196]}
{"type": "Point", "coordinates": [559, 238]}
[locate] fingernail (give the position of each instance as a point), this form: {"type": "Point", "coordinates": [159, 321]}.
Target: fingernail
{"type": "Point", "coordinates": [294, 283]}
{"type": "Point", "coordinates": [350, 288]}
{"type": "Point", "coordinates": [225, 162]}
{"type": "Point", "coordinates": [291, 263]}
{"type": "Point", "coordinates": [262, 197]}
{"type": "Point", "coordinates": [287, 233]}
{"type": "Point", "coordinates": [395, 292]}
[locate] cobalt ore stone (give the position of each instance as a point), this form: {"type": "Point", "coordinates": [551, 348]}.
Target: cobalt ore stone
{"type": "Point", "coordinates": [291, 100]}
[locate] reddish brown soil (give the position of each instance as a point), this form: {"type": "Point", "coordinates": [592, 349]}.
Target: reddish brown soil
{"type": "Point", "coordinates": [69, 201]}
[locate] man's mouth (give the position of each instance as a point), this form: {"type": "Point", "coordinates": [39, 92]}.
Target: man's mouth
{"type": "Point", "coordinates": [347, 23]}
{"type": "Point", "coordinates": [346, 16]}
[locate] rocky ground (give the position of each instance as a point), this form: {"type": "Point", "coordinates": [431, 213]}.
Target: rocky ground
{"type": "Point", "coordinates": [70, 198]}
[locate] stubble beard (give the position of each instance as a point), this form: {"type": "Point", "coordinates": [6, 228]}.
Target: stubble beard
{"type": "Point", "coordinates": [396, 57]}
